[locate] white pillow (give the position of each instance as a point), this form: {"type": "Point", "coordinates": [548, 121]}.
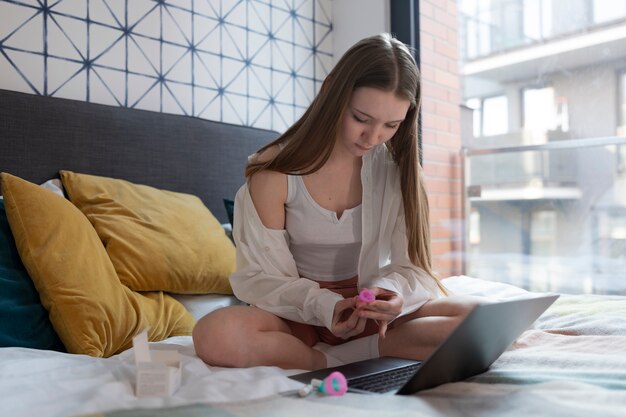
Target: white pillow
{"type": "Point", "coordinates": [201, 305]}
{"type": "Point", "coordinates": [53, 185]}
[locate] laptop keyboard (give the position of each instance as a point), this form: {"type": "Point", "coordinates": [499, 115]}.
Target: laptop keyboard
{"type": "Point", "coordinates": [384, 381]}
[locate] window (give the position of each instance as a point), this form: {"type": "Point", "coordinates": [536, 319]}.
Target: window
{"type": "Point", "coordinates": [543, 232]}
{"type": "Point", "coordinates": [490, 115]}
{"type": "Point", "coordinates": [543, 112]}
{"type": "Point", "coordinates": [477, 28]}
{"type": "Point", "coordinates": [495, 116]}
{"type": "Point", "coordinates": [476, 105]}
{"type": "Point", "coordinates": [537, 20]}
{"type": "Point", "coordinates": [474, 227]}
{"type": "Point", "coordinates": [621, 130]}
{"type": "Point", "coordinates": [607, 10]}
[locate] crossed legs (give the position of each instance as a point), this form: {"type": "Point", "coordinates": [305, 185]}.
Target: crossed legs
{"type": "Point", "coordinates": [240, 336]}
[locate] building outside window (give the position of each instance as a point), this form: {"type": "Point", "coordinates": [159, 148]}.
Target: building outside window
{"type": "Point", "coordinates": [621, 130]}
{"type": "Point", "coordinates": [545, 151]}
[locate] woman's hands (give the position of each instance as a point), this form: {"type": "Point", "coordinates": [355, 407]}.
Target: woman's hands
{"type": "Point", "coordinates": [386, 307]}
{"type": "Point", "coordinates": [351, 315]}
{"type": "Point", "coordinates": [346, 321]}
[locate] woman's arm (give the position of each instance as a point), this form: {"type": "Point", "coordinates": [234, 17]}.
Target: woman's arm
{"type": "Point", "coordinates": [266, 274]}
{"type": "Point", "coordinates": [402, 276]}
{"type": "Point", "coordinates": [268, 190]}
{"type": "Point", "coordinates": [401, 287]}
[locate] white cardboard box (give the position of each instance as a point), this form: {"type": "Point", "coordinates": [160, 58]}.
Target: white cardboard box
{"type": "Point", "coordinates": [158, 371]}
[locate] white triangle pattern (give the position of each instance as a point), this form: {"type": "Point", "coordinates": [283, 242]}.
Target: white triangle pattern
{"type": "Point", "coordinates": [203, 27]}
{"type": "Point", "coordinates": [150, 99]}
{"type": "Point", "coordinates": [304, 8]}
{"type": "Point", "coordinates": [148, 24]}
{"type": "Point", "coordinates": [205, 8]}
{"type": "Point", "coordinates": [76, 8]}
{"type": "Point", "coordinates": [139, 9]}
{"type": "Point", "coordinates": [261, 77]}
{"type": "Point", "coordinates": [323, 11]}
{"type": "Point", "coordinates": [60, 73]}
{"type": "Point", "coordinates": [104, 86]}
{"type": "Point", "coordinates": [250, 62]}
{"type": "Point", "coordinates": [114, 55]}
{"type": "Point", "coordinates": [115, 82]}
{"type": "Point", "coordinates": [22, 71]}
{"type": "Point", "coordinates": [181, 4]}
{"type": "Point", "coordinates": [102, 11]}
{"type": "Point", "coordinates": [74, 88]}
{"type": "Point", "coordinates": [202, 98]}
{"type": "Point", "coordinates": [236, 15]}
{"type": "Point", "coordinates": [234, 109]}
{"type": "Point", "coordinates": [67, 38]}
{"type": "Point", "coordinates": [176, 26]}
{"type": "Point", "coordinates": [234, 42]}
{"type": "Point", "coordinates": [207, 69]}
{"type": "Point", "coordinates": [27, 35]}
{"type": "Point", "coordinates": [143, 55]}
{"type": "Point", "coordinates": [138, 88]}
{"type": "Point", "coordinates": [177, 98]}
{"type": "Point", "coordinates": [258, 17]}
{"type": "Point", "coordinates": [13, 16]}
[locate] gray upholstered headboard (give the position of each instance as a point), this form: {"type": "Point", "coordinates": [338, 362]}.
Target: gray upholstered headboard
{"type": "Point", "coordinates": [41, 135]}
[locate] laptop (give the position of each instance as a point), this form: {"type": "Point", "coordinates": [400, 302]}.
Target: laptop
{"type": "Point", "coordinates": [470, 349]}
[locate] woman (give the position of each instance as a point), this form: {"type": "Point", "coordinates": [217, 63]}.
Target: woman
{"type": "Point", "coordinates": [335, 205]}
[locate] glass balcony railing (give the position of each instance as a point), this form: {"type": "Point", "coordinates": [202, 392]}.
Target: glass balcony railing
{"type": "Point", "coordinates": [490, 27]}
{"type": "Point", "coordinates": [548, 217]}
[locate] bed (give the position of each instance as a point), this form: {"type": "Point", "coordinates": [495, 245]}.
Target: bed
{"type": "Point", "coordinates": [571, 362]}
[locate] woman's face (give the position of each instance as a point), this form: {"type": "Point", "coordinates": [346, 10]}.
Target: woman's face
{"type": "Point", "coordinates": [372, 118]}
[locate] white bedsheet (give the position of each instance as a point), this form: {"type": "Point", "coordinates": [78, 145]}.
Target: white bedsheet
{"type": "Point", "coordinates": [572, 363]}
{"type": "Point", "coordinates": [40, 383]}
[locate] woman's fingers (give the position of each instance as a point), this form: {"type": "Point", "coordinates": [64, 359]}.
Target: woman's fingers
{"type": "Point", "coordinates": [380, 310]}
{"type": "Point", "coordinates": [358, 328]}
{"type": "Point", "coordinates": [382, 328]}
{"type": "Point", "coordinates": [377, 315]}
{"type": "Point", "coordinates": [347, 322]}
{"type": "Point", "coordinates": [387, 307]}
{"type": "Point", "coordinates": [352, 315]}
{"type": "Point", "coordinates": [352, 321]}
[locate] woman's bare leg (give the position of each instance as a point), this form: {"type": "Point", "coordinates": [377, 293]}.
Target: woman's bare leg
{"type": "Point", "coordinates": [241, 337]}
{"type": "Point", "coordinates": [416, 335]}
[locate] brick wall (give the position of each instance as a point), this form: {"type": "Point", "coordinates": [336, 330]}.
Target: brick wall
{"type": "Point", "coordinates": [441, 135]}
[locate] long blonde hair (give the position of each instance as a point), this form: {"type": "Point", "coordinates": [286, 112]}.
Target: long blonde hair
{"type": "Point", "coordinates": [381, 62]}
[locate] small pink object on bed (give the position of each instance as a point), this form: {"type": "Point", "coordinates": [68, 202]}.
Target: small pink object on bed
{"type": "Point", "coordinates": [334, 384]}
{"type": "Point", "coordinates": [366, 296]}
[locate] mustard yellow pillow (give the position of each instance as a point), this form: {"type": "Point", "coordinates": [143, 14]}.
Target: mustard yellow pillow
{"type": "Point", "coordinates": [156, 239]}
{"type": "Point", "coordinates": [91, 311]}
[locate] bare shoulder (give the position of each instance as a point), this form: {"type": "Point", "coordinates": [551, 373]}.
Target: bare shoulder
{"type": "Point", "coordinates": [268, 190]}
{"type": "Point", "coordinates": [268, 154]}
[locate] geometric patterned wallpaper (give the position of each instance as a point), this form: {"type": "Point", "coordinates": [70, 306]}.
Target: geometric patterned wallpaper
{"type": "Point", "coordinates": [248, 62]}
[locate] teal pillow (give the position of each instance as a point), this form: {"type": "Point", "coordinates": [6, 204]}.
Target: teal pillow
{"type": "Point", "coordinates": [23, 320]}
{"type": "Point", "coordinates": [229, 205]}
